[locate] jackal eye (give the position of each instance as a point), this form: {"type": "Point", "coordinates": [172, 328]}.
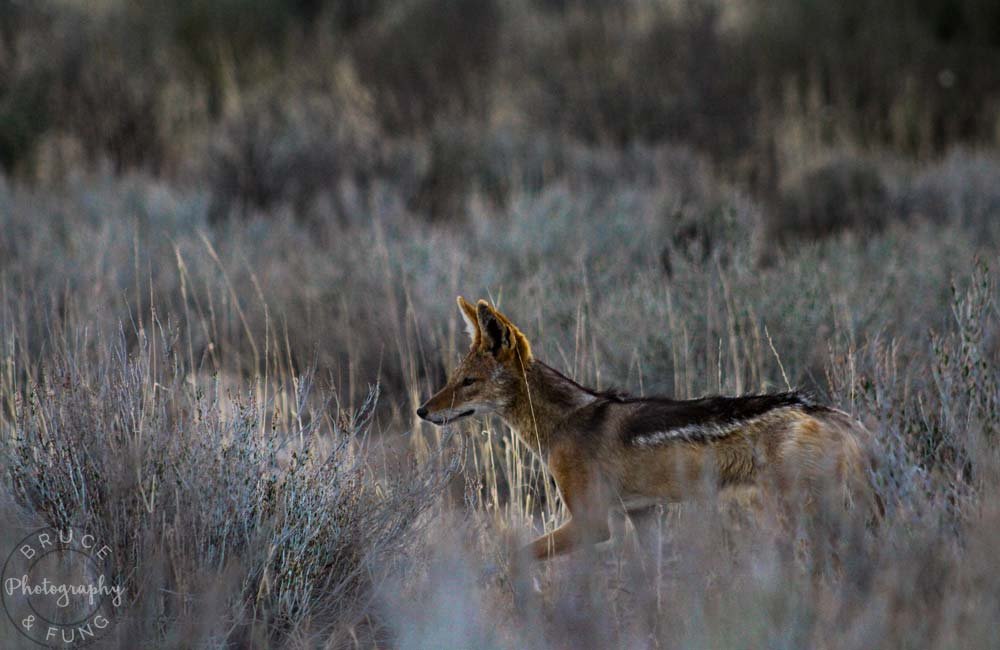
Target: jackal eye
{"type": "Point", "coordinates": [468, 381]}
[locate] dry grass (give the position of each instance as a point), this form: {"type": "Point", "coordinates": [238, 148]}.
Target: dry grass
{"type": "Point", "coordinates": [243, 514]}
{"type": "Point", "coordinates": [198, 392]}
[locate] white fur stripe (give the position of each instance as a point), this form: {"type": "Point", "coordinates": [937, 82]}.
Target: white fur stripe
{"type": "Point", "coordinates": [689, 432]}
{"type": "Point", "coordinates": [699, 432]}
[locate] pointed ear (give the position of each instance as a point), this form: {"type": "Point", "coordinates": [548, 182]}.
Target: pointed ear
{"type": "Point", "coordinates": [471, 320]}
{"type": "Point", "coordinates": [499, 336]}
{"type": "Point", "coordinates": [491, 329]}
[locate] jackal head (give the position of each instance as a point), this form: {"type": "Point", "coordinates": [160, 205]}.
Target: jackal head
{"type": "Point", "coordinates": [490, 377]}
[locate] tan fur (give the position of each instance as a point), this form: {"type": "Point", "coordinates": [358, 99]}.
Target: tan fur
{"type": "Point", "coordinates": [799, 453]}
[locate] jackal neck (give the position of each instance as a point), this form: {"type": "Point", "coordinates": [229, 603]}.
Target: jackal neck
{"type": "Point", "coordinates": [545, 398]}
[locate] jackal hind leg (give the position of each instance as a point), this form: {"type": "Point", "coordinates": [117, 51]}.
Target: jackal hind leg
{"type": "Point", "coordinates": [566, 537]}
{"type": "Point", "coordinates": [645, 527]}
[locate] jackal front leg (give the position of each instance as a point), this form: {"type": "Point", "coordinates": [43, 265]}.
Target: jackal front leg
{"type": "Point", "coordinates": [585, 498]}
{"type": "Point", "coordinates": [565, 538]}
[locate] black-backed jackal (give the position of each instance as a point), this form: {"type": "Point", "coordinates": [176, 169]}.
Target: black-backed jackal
{"type": "Point", "coordinates": [608, 451]}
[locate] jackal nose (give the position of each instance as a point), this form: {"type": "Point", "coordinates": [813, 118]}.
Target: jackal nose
{"type": "Point", "coordinates": [421, 412]}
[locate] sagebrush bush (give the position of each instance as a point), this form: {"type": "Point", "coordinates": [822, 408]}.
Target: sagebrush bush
{"type": "Point", "coordinates": [843, 194]}
{"type": "Point", "coordinates": [275, 157]}
{"type": "Point", "coordinates": [231, 521]}
{"type": "Point", "coordinates": [961, 190]}
{"type": "Point", "coordinates": [430, 60]}
{"type": "Point", "coordinates": [625, 74]}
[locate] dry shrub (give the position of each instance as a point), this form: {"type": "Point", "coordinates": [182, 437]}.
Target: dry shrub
{"type": "Point", "coordinates": [605, 72]}
{"type": "Point", "coordinates": [275, 157]}
{"type": "Point", "coordinates": [430, 60]}
{"type": "Point", "coordinates": [845, 194]}
{"type": "Point", "coordinates": [962, 190]}
{"type": "Point", "coordinates": [915, 77]}
{"type": "Point", "coordinates": [220, 536]}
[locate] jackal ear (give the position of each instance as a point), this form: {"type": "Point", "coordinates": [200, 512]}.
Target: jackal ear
{"type": "Point", "coordinates": [495, 335]}
{"type": "Point", "coordinates": [499, 336]}
{"type": "Point", "coordinates": [471, 320]}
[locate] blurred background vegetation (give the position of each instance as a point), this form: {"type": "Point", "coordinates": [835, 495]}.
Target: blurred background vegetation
{"type": "Point", "coordinates": [274, 102]}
